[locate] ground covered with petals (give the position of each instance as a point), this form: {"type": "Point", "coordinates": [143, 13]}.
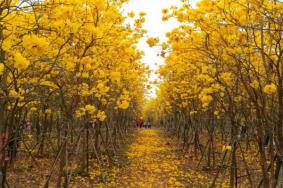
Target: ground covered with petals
{"type": "Point", "coordinates": [154, 162]}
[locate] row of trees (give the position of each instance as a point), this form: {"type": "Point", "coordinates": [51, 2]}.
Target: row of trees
{"type": "Point", "coordinates": [224, 75]}
{"type": "Point", "coordinates": [68, 82]}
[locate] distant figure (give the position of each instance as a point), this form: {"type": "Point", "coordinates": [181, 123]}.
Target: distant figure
{"type": "Point", "coordinates": [140, 123]}
{"type": "Point", "coordinates": [147, 124]}
{"type": "Point", "coordinates": [137, 123]}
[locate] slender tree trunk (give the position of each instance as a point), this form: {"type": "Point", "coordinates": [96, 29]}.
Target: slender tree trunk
{"type": "Point", "coordinates": [63, 161]}
{"type": "Point", "coordinates": [265, 176]}
{"type": "Point", "coordinates": [87, 148]}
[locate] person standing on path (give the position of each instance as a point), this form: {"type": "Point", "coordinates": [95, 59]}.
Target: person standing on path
{"type": "Point", "coordinates": [137, 122]}
{"type": "Point", "coordinates": [141, 123]}
{"type": "Point", "coordinates": [147, 123]}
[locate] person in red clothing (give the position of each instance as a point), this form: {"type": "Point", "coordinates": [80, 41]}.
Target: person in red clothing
{"type": "Point", "coordinates": [141, 123]}
{"type": "Point", "coordinates": [137, 123]}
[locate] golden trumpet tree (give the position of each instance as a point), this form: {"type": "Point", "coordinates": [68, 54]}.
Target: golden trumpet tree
{"type": "Point", "coordinates": [72, 62]}
{"type": "Point", "coordinates": [224, 64]}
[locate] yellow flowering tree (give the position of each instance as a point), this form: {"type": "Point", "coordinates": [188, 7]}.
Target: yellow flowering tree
{"type": "Point", "coordinates": [222, 73]}
{"type": "Point", "coordinates": [70, 69]}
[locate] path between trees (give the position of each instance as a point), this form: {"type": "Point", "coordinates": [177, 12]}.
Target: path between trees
{"type": "Point", "coordinates": [150, 159]}
{"type": "Point", "coordinates": [154, 162]}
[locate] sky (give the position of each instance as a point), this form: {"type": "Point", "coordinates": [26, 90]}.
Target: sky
{"type": "Point", "coordinates": [155, 27]}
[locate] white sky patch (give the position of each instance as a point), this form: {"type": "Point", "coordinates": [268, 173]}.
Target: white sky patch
{"type": "Point", "coordinates": [155, 27]}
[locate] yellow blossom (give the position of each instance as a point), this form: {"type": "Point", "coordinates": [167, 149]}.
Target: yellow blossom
{"type": "Point", "coordinates": [90, 108]}
{"type": "Point", "coordinates": [123, 104]}
{"type": "Point", "coordinates": [1, 68]}
{"type": "Point", "coordinates": [254, 84]}
{"type": "Point", "coordinates": [141, 14]}
{"type": "Point", "coordinates": [21, 62]}
{"type": "Point", "coordinates": [115, 76]}
{"type": "Point", "coordinates": [13, 93]}
{"type": "Point", "coordinates": [101, 116]}
{"type": "Point", "coordinates": [80, 112]}
{"type": "Point", "coordinates": [269, 89]}
{"type": "Point", "coordinates": [48, 111]}
{"type": "Point", "coordinates": [33, 109]}
{"type": "Point", "coordinates": [226, 77]}
{"type": "Point", "coordinates": [48, 83]}
{"type": "Point", "coordinates": [34, 44]}
{"type": "Point", "coordinates": [152, 41]}
{"type": "Point", "coordinates": [131, 14]}
{"type": "Point", "coordinates": [228, 147]}
{"type": "Point", "coordinates": [165, 11]}
{"type": "Point", "coordinates": [206, 100]}
{"type": "Point", "coordinates": [216, 113]}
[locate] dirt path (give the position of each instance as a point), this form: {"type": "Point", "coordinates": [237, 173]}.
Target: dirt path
{"type": "Point", "coordinates": [153, 162]}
